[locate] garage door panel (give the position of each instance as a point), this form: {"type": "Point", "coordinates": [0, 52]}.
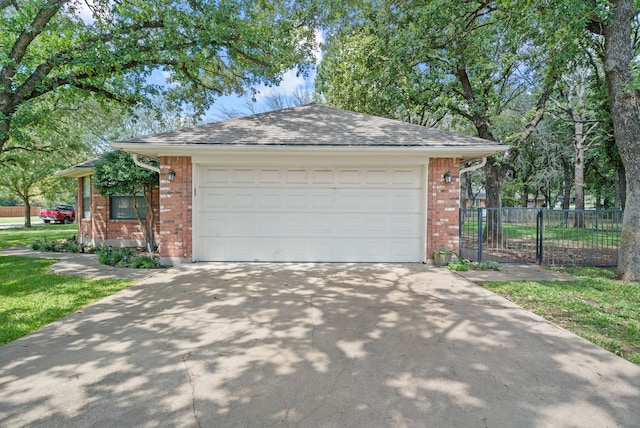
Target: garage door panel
{"type": "Point", "coordinates": [318, 177]}
{"type": "Point", "coordinates": [314, 214]}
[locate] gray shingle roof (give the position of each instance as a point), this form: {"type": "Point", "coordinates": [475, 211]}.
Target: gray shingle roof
{"type": "Point", "coordinates": [310, 125]}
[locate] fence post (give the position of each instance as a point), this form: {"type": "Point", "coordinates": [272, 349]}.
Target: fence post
{"type": "Point", "coordinates": [479, 235]}
{"type": "Point", "coordinates": [539, 235]}
{"type": "Point", "coordinates": [460, 228]}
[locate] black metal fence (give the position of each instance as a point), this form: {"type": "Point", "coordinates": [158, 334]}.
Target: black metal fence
{"type": "Point", "coordinates": [550, 237]}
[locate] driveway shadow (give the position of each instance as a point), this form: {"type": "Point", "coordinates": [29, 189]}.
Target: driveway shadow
{"type": "Point", "coordinates": [215, 344]}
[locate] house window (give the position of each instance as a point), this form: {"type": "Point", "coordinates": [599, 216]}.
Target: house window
{"type": "Point", "coordinates": [86, 197]}
{"type": "Point", "coordinates": [121, 207]}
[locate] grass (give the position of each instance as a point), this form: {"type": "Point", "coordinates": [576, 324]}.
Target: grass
{"type": "Point", "coordinates": [606, 233]}
{"type": "Point", "coordinates": [19, 220]}
{"type": "Point", "coordinates": [25, 236]}
{"type": "Point", "coordinates": [32, 297]}
{"type": "Point", "coordinates": [595, 306]}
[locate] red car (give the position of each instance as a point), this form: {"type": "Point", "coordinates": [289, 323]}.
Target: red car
{"type": "Point", "coordinates": [62, 214]}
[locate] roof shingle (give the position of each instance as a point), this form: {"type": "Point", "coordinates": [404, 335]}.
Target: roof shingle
{"type": "Point", "coordinates": [311, 125]}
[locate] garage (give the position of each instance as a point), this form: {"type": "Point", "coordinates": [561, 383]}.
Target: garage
{"type": "Point", "coordinates": [310, 183]}
{"type": "Point", "coordinates": [317, 213]}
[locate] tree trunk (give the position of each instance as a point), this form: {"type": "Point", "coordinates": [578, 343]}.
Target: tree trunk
{"type": "Point", "coordinates": [151, 240]}
{"type": "Point", "coordinates": [578, 166]}
{"type": "Point", "coordinates": [4, 129]}
{"type": "Point", "coordinates": [625, 112]}
{"type": "Point", "coordinates": [27, 212]}
{"type": "Point", "coordinates": [621, 189]}
{"type": "Point", "coordinates": [568, 183]}
{"type": "Point", "coordinates": [143, 222]}
{"type": "Point", "coordinates": [494, 179]}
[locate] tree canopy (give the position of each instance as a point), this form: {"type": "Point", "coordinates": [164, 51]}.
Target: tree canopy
{"type": "Point", "coordinates": [205, 49]}
{"type": "Point", "coordinates": [473, 62]}
{"type": "Point", "coordinates": [117, 175]}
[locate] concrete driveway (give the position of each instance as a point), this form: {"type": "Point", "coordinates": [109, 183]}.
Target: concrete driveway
{"type": "Point", "coordinates": [227, 345]}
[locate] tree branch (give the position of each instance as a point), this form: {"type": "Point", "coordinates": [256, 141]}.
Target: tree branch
{"type": "Point", "coordinates": [6, 3]}
{"type": "Point", "coordinates": [540, 109]}
{"type": "Point", "coordinates": [19, 49]}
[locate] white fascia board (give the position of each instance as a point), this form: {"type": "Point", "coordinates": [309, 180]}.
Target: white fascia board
{"type": "Point", "coordinates": [157, 150]}
{"type": "Point", "coordinates": [75, 172]}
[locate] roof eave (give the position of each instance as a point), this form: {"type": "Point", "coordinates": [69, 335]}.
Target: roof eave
{"type": "Point", "coordinates": [156, 150]}
{"type": "Point", "coordinates": [75, 172]}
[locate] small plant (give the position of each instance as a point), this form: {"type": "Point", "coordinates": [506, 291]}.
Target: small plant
{"type": "Point", "coordinates": [37, 244]}
{"type": "Point", "coordinates": [144, 262]}
{"type": "Point", "coordinates": [126, 257]}
{"type": "Point", "coordinates": [442, 257]}
{"type": "Point", "coordinates": [463, 265]}
{"type": "Point", "coordinates": [68, 245]}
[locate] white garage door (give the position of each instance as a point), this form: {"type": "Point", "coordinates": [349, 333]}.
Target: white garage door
{"type": "Point", "coordinates": [308, 214]}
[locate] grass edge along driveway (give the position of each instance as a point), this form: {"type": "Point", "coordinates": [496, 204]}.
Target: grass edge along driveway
{"type": "Point", "coordinates": [595, 306]}
{"type": "Point", "coordinates": [32, 297]}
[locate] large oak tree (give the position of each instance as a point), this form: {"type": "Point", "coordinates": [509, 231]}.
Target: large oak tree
{"type": "Point", "coordinates": [424, 61]}
{"type": "Point", "coordinates": [111, 48]}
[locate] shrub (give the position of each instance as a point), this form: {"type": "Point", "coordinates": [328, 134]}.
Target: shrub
{"type": "Point", "coordinates": [69, 245]}
{"type": "Point", "coordinates": [126, 257]}
{"type": "Point", "coordinates": [463, 265]}
{"type": "Point", "coordinates": [144, 262]}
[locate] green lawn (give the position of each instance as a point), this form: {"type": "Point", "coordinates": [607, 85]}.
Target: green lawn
{"type": "Point", "coordinates": [19, 220]}
{"type": "Point", "coordinates": [595, 306]}
{"type": "Point", "coordinates": [31, 296]}
{"type": "Point", "coordinates": [25, 236]}
{"type": "Point", "coordinates": [556, 231]}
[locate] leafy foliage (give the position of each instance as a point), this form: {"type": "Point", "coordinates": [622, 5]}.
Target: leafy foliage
{"type": "Point", "coordinates": [117, 174]}
{"type": "Point", "coordinates": [126, 257]}
{"type": "Point", "coordinates": [72, 48]}
{"type": "Point", "coordinates": [463, 265]}
{"type": "Point", "coordinates": [69, 245]}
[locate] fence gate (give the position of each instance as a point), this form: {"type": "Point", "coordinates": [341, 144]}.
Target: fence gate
{"type": "Point", "coordinates": [533, 235]}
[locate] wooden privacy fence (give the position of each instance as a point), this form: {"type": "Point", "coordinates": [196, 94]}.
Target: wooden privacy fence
{"type": "Point", "coordinates": [549, 237]}
{"type": "Point", "coordinates": [17, 211]}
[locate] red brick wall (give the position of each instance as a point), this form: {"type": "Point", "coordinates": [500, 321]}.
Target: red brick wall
{"type": "Point", "coordinates": [443, 205]}
{"type": "Point", "coordinates": [100, 230]}
{"type": "Point", "coordinates": [176, 208]}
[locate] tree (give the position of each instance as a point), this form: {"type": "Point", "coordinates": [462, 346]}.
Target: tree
{"type": "Point", "coordinates": [117, 174]}
{"type": "Point", "coordinates": [417, 61]}
{"type": "Point", "coordinates": [74, 48]}
{"type": "Point", "coordinates": [573, 107]}
{"type": "Point", "coordinates": [28, 176]}
{"type": "Point", "coordinates": [625, 111]}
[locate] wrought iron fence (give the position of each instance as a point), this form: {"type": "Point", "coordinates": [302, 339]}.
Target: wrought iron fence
{"type": "Point", "coordinates": [551, 237]}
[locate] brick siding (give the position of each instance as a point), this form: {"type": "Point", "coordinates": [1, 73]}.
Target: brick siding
{"type": "Point", "coordinates": [175, 209]}
{"type": "Point", "coordinates": [98, 229]}
{"type": "Point", "coordinates": [443, 205]}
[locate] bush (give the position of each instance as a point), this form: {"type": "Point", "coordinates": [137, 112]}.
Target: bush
{"type": "Point", "coordinates": [122, 257]}
{"type": "Point", "coordinates": [463, 265]}
{"type": "Point", "coordinates": [126, 257]}
{"type": "Point", "coordinates": [144, 262]}
{"type": "Point", "coordinates": [68, 245]}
